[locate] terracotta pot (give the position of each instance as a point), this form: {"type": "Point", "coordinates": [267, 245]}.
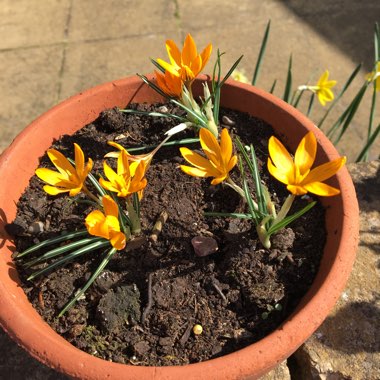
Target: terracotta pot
{"type": "Point", "coordinates": [19, 319]}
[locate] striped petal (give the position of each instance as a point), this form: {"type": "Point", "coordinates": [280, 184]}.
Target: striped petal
{"type": "Point", "coordinates": [110, 206]}
{"type": "Point", "coordinates": [174, 54]}
{"type": "Point", "coordinates": [199, 162]}
{"type": "Point", "coordinates": [281, 157]}
{"type": "Point", "coordinates": [54, 190]}
{"type": "Point", "coordinates": [322, 189]}
{"type": "Point", "coordinates": [79, 159]}
{"type": "Point", "coordinates": [189, 51]}
{"type": "Point", "coordinates": [118, 240]}
{"type": "Point", "coordinates": [194, 172]}
{"type": "Point", "coordinates": [305, 154]}
{"type": "Point", "coordinates": [210, 146]}
{"type": "Point", "coordinates": [205, 55]}
{"type": "Point", "coordinates": [325, 171]}
{"type": "Point", "coordinates": [61, 163]}
{"type": "Point", "coordinates": [277, 173]}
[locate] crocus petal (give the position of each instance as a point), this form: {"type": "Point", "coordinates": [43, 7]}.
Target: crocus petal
{"type": "Point", "coordinates": [232, 163]}
{"type": "Point", "coordinates": [277, 173]}
{"type": "Point", "coordinates": [225, 146]}
{"type": "Point", "coordinates": [189, 51]}
{"type": "Point", "coordinates": [54, 190]}
{"type": "Point", "coordinates": [61, 163]}
{"type": "Point", "coordinates": [210, 146]}
{"type": "Point", "coordinates": [218, 180]}
{"type": "Point", "coordinates": [194, 172]}
{"type": "Point", "coordinates": [205, 55]}
{"type": "Point", "coordinates": [305, 153]}
{"type": "Point", "coordinates": [118, 240]}
{"type": "Point", "coordinates": [174, 54]}
{"type": "Point", "coordinates": [110, 206]}
{"type": "Point", "coordinates": [168, 67]}
{"type": "Point", "coordinates": [322, 189]}
{"type": "Point", "coordinates": [296, 190]}
{"type": "Point", "coordinates": [198, 161]}
{"type": "Point", "coordinates": [79, 159]}
{"type": "Point", "coordinates": [49, 176]}
{"type": "Point", "coordinates": [325, 171]}
{"type": "Point", "coordinates": [280, 156]}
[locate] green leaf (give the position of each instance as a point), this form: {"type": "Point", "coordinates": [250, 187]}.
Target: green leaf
{"type": "Point", "coordinates": [94, 276]}
{"type": "Point", "coordinates": [159, 67]}
{"type": "Point", "coordinates": [311, 103]}
{"type": "Point", "coordinates": [154, 114]}
{"type": "Point", "coordinates": [288, 85]}
{"type": "Point", "coordinates": [229, 215]}
{"type": "Point", "coordinates": [348, 113]}
{"type": "Point", "coordinates": [153, 86]}
{"type": "Point", "coordinates": [368, 145]}
{"type": "Point", "coordinates": [254, 170]}
{"type": "Point", "coordinates": [55, 240]}
{"type": "Point", "coordinates": [351, 113]}
{"type": "Point", "coordinates": [289, 219]}
{"type": "Point", "coordinates": [261, 54]}
{"type": "Point", "coordinates": [377, 42]}
{"type": "Point", "coordinates": [61, 250]}
{"type": "Point", "coordinates": [273, 86]}
{"type": "Point", "coordinates": [201, 118]}
{"type": "Point", "coordinates": [255, 215]}
{"type": "Point", "coordinates": [70, 257]}
{"type": "Point", "coordinates": [170, 143]}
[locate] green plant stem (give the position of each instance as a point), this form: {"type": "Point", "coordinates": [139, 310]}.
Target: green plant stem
{"type": "Point", "coordinates": [284, 209]}
{"type": "Point", "coordinates": [90, 281]}
{"type": "Point", "coordinates": [371, 118]}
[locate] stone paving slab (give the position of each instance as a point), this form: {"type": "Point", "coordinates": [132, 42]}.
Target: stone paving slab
{"type": "Point", "coordinates": [26, 23]}
{"type": "Point", "coordinates": [95, 20]}
{"type": "Point", "coordinates": [88, 64]}
{"type": "Point", "coordinates": [32, 80]}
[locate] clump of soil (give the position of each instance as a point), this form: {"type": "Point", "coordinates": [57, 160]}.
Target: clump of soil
{"type": "Point", "coordinates": [142, 308]}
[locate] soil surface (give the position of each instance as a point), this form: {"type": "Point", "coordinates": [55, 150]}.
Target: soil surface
{"type": "Point", "coordinates": [142, 308]}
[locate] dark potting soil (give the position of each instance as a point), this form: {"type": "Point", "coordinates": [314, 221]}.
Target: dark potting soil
{"type": "Point", "coordinates": [141, 310]}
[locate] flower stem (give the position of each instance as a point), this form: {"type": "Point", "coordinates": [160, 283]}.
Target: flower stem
{"type": "Point", "coordinates": [240, 191]}
{"type": "Point", "coordinates": [90, 195]}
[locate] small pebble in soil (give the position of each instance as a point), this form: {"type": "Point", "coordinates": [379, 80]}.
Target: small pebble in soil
{"type": "Point", "coordinates": [197, 329]}
{"type": "Point", "coordinates": [204, 245]}
{"type": "Point", "coordinates": [227, 121]}
{"type": "Point", "coordinates": [36, 227]}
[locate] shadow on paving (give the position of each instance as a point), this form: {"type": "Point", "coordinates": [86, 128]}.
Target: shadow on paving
{"type": "Point", "coordinates": [348, 24]}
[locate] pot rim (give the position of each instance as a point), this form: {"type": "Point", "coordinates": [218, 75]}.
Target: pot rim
{"type": "Point", "coordinates": [51, 349]}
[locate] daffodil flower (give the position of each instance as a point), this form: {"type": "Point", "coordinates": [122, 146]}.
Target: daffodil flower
{"type": "Point", "coordinates": [297, 173]}
{"type": "Point", "coordinates": [68, 178]}
{"type": "Point", "coordinates": [219, 161]}
{"type": "Point", "coordinates": [171, 84]}
{"type": "Point", "coordinates": [106, 225]}
{"type": "Point", "coordinates": [188, 63]}
{"type": "Point", "coordinates": [322, 89]}
{"type": "Point", "coordinates": [374, 76]}
{"type": "Point", "coordinates": [129, 178]}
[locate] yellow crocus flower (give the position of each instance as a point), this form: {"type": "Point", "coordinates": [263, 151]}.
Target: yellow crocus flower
{"type": "Point", "coordinates": [188, 63]}
{"type": "Point", "coordinates": [219, 161]}
{"type": "Point", "coordinates": [129, 178]}
{"type": "Point", "coordinates": [169, 83]}
{"type": "Point", "coordinates": [297, 173]}
{"type": "Point", "coordinates": [106, 225]}
{"type": "Point", "coordinates": [68, 178]}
